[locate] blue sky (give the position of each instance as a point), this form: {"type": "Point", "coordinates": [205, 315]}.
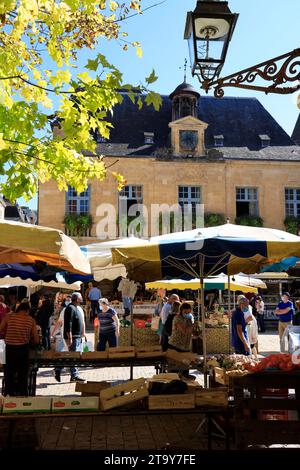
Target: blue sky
{"type": "Point", "coordinates": [265, 29]}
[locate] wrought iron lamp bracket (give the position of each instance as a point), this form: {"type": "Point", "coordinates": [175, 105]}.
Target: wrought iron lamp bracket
{"type": "Point", "coordinates": [280, 70]}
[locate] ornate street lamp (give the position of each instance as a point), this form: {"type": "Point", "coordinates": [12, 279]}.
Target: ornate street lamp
{"type": "Point", "coordinates": [209, 29]}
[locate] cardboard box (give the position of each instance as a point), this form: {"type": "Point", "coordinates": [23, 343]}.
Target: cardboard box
{"type": "Point", "coordinates": [26, 405]}
{"type": "Point", "coordinates": [62, 404]}
{"type": "Point", "coordinates": [91, 388]}
{"type": "Point", "coordinates": [123, 394]}
{"type": "Point", "coordinates": [171, 402]}
{"type": "Point", "coordinates": [214, 397]}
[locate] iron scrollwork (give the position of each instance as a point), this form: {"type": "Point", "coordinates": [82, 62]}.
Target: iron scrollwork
{"type": "Point", "coordinates": [280, 70]}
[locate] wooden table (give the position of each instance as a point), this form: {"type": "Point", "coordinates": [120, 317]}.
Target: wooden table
{"type": "Point", "coordinates": [158, 363]}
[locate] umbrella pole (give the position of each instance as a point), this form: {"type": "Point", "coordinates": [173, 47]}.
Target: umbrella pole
{"type": "Point", "coordinates": [201, 262]}
{"type": "Point", "coordinates": [198, 312]}
{"type": "Point", "coordinates": [229, 313]}
{"type": "Point", "coordinates": [131, 334]}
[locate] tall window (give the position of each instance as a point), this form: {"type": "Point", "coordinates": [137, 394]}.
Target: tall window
{"type": "Point", "coordinates": [292, 202]}
{"type": "Point", "coordinates": [129, 196]}
{"type": "Point", "coordinates": [189, 197]}
{"type": "Point", "coordinates": [247, 202]}
{"type": "Point", "coordinates": [77, 203]}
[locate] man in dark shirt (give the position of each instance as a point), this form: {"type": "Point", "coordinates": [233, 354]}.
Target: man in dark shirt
{"type": "Point", "coordinates": [73, 332]}
{"type": "Point", "coordinates": [240, 340]}
{"type": "Point", "coordinates": [285, 314]}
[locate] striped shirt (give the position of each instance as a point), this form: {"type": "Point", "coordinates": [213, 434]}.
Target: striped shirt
{"type": "Point", "coordinates": [107, 323]}
{"type": "Point", "coordinates": [20, 328]}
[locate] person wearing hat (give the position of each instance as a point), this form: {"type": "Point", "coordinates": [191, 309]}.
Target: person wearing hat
{"type": "Point", "coordinates": [240, 340]}
{"type": "Point", "coordinates": [109, 326]}
{"type": "Point", "coordinates": [285, 313]}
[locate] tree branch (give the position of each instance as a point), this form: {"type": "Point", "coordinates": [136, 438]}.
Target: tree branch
{"type": "Point", "coordinates": [135, 14]}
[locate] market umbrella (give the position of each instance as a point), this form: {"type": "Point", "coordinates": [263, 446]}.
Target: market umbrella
{"type": "Point", "coordinates": [219, 282]}
{"type": "Point", "coordinates": [8, 281]}
{"type": "Point", "coordinates": [26, 243]}
{"type": "Point", "coordinates": [35, 272]}
{"type": "Point", "coordinates": [282, 265]}
{"type": "Point", "coordinates": [207, 251]}
{"type": "Point", "coordinates": [100, 257]}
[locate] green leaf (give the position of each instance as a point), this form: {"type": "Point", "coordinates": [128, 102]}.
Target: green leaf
{"type": "Point", "coordinates": [152, 78]}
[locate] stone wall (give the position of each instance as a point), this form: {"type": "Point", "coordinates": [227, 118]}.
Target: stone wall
{"type": "Point", "coordinates": [160, 180]}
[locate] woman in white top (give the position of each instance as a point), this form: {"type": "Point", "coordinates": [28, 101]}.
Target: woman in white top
{"type": "Point", "coordinates": [252, 328]}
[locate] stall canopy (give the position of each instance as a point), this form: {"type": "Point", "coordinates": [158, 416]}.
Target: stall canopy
{"type": "Point", "coordinates": [100, 257]}
{"type": "Point", "coordinates": [208, 251]}
{"type": "Point", "coordinates": [219, 282]}
{"type": "Point", "coordinates": [26, 243]}
{"type": "Point", "coordinates": [8, 281]}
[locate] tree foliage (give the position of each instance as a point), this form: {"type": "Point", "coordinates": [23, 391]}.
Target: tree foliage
{"type": "Point", "coordinates": [41, 42]}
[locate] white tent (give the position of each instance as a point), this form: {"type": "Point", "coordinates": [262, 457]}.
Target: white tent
{"type": "Point", "coordinates": [9, 281]}
{"type": "Point", "coordinates": [100, 257]}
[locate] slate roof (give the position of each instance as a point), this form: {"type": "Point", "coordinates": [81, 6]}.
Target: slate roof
{"type": "Point", "coordinates": [240, 120]}
{"type": "Point", "coordinates": [296, 132]}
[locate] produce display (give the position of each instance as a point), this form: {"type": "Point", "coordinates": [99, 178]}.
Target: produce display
{"type": "Point", "coordinates": [231, 361]}
{"type": "Point", "coordinates": [273, 362]}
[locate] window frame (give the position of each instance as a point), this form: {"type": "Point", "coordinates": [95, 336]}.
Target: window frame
{"type": "Point", "coordinates": [294, 202]}
{"type": "Point", "coordinates": [248, 199]}
{"type": "Point", "coordinates": [84, 197]}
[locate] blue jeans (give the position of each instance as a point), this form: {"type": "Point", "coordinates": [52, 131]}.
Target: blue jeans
{"type": "Point", "coordinates": [107, 337]}
{"type": "Point", "coordinates": [75, 346]}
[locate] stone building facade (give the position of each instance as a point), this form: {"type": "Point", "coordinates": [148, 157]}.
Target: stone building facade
{"type": "Point", "coordinates": [228, 154]}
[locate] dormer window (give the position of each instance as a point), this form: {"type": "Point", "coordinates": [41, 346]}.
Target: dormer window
{"type": "Point", "coordinates": [219, 140]}
{"type": "Point", "coordinates": [265, 140]}
{"type": "Point", "coordinates": [149, 138]}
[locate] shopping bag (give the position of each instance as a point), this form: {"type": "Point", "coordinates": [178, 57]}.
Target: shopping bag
{"type": "Point", "coordinates": [61, 345]}
{"type": "Point", "coordinates": [2, 351]}
{"type": "Point", "coordinates": [155, 323]}
{"type": "Point", "coordinates": [87, 346]}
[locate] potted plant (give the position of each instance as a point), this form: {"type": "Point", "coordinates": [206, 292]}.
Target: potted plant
{"type": "Point", "coordinates": [292, 224]}
{"type": "Point", "coordinates": [77, 225]}
{"type": "Point", "coordinates": [250, 220]}
{"type": "Point", "coordinates": [212, 220]}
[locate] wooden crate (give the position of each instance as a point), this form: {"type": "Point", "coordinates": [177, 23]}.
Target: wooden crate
{"type": "Point", "coordinates": [95, 355]}
{"type": "Point", "coordinates": [171, 402]}
{"type": "Point", "coordinates": [149, 351]}
{"type": "Point", "coordinates": [123, 394]}
{"type": "Point", "coordinates": [164, 377]}
{"type": "Point", "coordinates": [67, 355]}
{"type": "Point", "coordinates": [182, 358]}
{"type": "Point", "coordinates": [220, 376]}
{"type": "Point", "coordinates": [217, 397]}
{"type": "Point", "coordinates": [121, 353]}
{"type": "Point", "coordinates": [91, 388]}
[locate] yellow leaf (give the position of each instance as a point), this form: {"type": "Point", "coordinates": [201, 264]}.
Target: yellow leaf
{"type": "Point", "coordinates": [139, 52]}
